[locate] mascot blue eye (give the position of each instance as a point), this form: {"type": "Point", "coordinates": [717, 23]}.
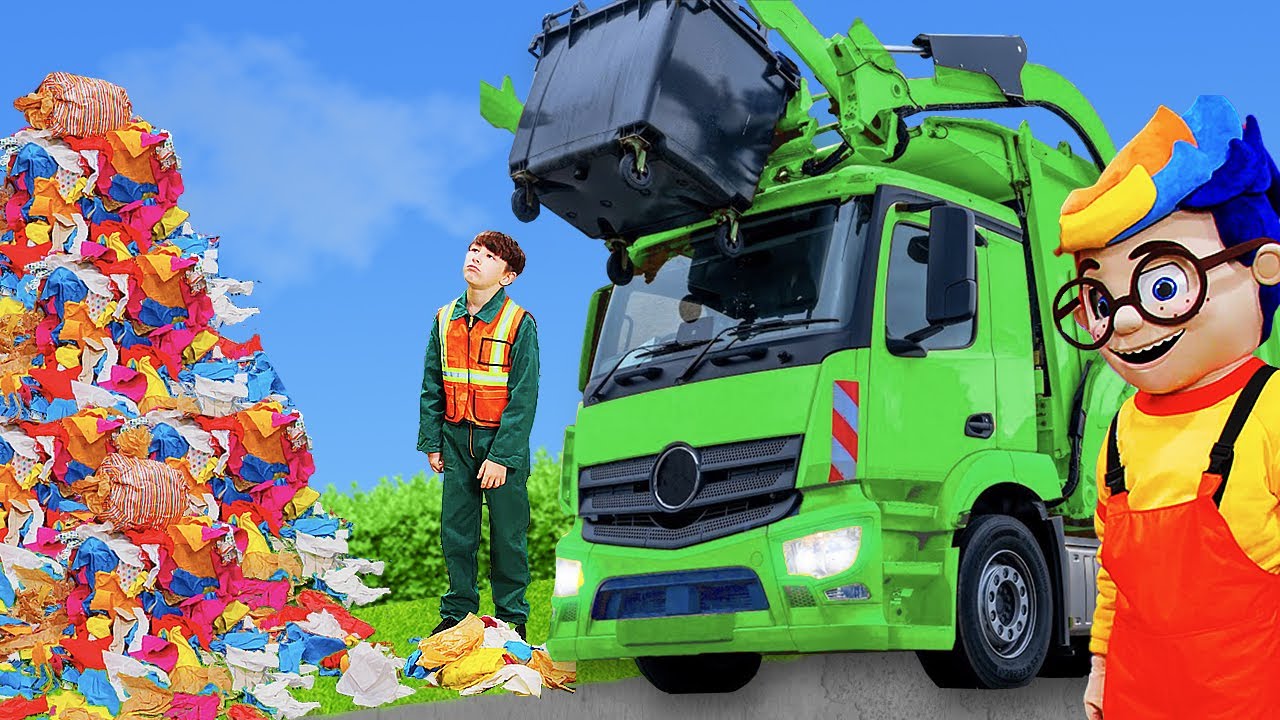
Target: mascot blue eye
{"type": "Point", "coordinates": [1101, 306]}
{"type": "Point", "coordinates": [1163, 284]}
{"type": "Point", "coordinates": [1164, 289]}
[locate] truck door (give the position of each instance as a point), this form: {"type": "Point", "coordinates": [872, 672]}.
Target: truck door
{"type": "Point", "coordinates": [1012, 349]}
{"type": "Point", "coordinates": [930, 406]}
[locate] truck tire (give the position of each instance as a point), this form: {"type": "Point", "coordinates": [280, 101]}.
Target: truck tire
{"type": "Point", "coordinates": [684, 674]}
{"type": "Point", "coordinates": [1003, 610]}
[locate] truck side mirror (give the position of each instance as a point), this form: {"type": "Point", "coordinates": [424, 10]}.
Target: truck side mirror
{"type": "Point", "coordinates": [591, 335]}
{"type": "Point", "coordinates": [952, 292]}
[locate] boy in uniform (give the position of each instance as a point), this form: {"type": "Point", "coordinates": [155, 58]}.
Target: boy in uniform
{"type": "Point", "coordinates": [479, 394]}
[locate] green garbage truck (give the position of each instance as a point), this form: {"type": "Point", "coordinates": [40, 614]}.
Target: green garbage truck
{"type": "Point", "coordinates": [832, 412]}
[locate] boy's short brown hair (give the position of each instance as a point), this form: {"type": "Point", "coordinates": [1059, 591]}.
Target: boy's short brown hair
{"type": "Point", "coordinates": [504, 246]}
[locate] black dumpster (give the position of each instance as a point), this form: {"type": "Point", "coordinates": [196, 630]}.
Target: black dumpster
{"type": "Point", "coordinates": [647, 115]}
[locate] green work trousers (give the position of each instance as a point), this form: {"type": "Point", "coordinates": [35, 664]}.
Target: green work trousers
{"type": "Point", "coordinates": [464, 449]}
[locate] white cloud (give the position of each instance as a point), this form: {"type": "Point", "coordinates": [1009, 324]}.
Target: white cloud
{"type": "Point", "coordinates": [291, 167]}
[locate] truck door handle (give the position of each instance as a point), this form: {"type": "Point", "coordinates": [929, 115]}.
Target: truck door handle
{"type": "Point", "coordinates": [980, 425]}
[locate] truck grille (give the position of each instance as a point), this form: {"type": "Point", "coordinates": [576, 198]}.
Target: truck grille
{"type": "Point", "coordinates": [743, 485]}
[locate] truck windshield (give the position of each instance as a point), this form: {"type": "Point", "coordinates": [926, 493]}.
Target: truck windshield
{"type": "Point", "coordinates": [794, 264]}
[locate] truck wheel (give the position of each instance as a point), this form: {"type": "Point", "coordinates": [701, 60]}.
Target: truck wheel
{"type": "Point", "coordinates": [1003, 610]}
{"type": "Point", "coordinates": [633, 177]}
{"type": "Point", "coordinates": [683, 674]}
{"type": "Point", "coordinates": [524, 204]}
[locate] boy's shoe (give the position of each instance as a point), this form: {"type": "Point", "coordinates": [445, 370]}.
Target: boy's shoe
{"type": "Point", "coordinates": [445, 624]}
{"type": "Point", "coordinates": [520, 631]}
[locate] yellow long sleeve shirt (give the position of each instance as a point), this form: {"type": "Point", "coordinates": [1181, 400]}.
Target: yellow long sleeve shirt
{"type": "Point", "coordinates": [1164, 443]}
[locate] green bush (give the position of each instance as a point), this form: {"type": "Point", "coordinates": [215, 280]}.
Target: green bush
{"type": "Point", "coordinates": [399, 522]}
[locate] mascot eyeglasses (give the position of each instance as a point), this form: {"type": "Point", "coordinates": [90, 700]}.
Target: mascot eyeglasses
{"type": "Point", "coordinates": [1167, 287]}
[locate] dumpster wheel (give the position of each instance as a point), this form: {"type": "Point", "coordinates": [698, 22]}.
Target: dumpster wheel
{"type": "Point", "coordinates": [524, 203]}
{"type": "Point", "coordinates": [635, 171]}
{"type": "Point", "coordinates": [728, 240]}
{"type": "Point", "coordinates": [619, 267]}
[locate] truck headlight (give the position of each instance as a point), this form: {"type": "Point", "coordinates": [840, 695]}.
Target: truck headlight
{"type": "Point", "coordinates": [822, 554]}
{"type": "Point", "coordinates": [568, 577]}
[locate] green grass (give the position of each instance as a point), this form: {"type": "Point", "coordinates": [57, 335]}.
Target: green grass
{"type": "Point", "coordinates": [396, 622]}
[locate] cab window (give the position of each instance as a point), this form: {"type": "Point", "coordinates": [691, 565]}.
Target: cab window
{"type": "Point", "coordinates": [905, 291]}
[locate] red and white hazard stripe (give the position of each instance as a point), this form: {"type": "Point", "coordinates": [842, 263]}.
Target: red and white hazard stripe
{"type": "Point", "coordinates": [844, 431]}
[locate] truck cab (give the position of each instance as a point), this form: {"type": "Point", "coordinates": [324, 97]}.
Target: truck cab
{"type": "Point", "coordinates": [777, 452]}
{"type": "Point", "coordinates": [847, 424]}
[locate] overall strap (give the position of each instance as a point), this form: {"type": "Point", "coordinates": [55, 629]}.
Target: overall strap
{"type": "Point", "coordinates": [1223, 452]}
{"type": "Point", "coordinates": [1115, 471]}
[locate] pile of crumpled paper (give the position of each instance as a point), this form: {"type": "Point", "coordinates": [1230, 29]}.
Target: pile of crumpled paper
{"type": "Point", "coordinates": [162, 552]}
{"type": "Point", "coordinates": [480, 653]}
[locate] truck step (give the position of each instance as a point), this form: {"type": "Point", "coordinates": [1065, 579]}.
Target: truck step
{"type": "Point", "coordinates": [909, 515]}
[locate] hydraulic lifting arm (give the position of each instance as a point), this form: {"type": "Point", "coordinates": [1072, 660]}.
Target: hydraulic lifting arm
{"type": "Point", "coordinates": [870, 97]}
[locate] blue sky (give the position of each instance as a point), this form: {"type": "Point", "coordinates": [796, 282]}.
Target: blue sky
{"type": "Point", "coordinates": [341, 157]}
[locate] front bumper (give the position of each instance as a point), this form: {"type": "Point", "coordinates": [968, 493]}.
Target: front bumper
{"type": "Point", "coordinates": [799, 617]}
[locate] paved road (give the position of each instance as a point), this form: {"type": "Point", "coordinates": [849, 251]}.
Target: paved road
{"type": "Point", "coordinates": [872, 686]}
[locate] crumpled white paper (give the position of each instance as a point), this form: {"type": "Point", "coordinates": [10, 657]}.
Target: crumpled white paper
{"type": "Point", "coordinates": [275, 695]}
{"type": "Point", "coordinates": [344, 580]}
{"type": "Point", "coordinates": [225, 311]}
{"type": "Point", "coordinates": [12, 556]}
{"type": "Point", "coordinates": [319, 554]}
{"type": "Point", "coordinates": [519, 679]}
{"type": "Point", "coordinates": [36, 510]}
{"type": "Point", "coordinates": [323, 624]}
{"type": "Point", "coordinates": [496, 637]}
{"type": "Point", "coordinates": [91, 396]}
{"type": "Point", "coordinates": [371, 679]}
{"type": "Point", "coordinates": [118, 665]}
{"type": "Point", "coordinates": [223, 390]}
{"type": "Point", "coordinates": [249, 667]}
{"type": "Point", "coordinates": [135, 621]}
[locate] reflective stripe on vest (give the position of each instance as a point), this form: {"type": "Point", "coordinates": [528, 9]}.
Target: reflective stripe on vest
{"type": "Point", "coordinates": [476, 363]}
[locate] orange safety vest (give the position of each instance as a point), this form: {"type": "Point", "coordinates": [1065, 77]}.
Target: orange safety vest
{"type": "Point", "coordinates": [477, 362]}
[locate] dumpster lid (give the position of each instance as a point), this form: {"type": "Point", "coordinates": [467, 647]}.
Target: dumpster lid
{"type": "Point", "coordinates": [747, 24]}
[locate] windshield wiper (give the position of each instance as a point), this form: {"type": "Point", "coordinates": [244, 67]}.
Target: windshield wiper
{"type": "Point", "coordinates": [646, 350]}
{"type": "Point", "coordinates": [745, 330]}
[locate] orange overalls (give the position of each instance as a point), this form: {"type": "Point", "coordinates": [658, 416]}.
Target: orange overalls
{"type": "Point", "coordinates": [1196, 632]}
